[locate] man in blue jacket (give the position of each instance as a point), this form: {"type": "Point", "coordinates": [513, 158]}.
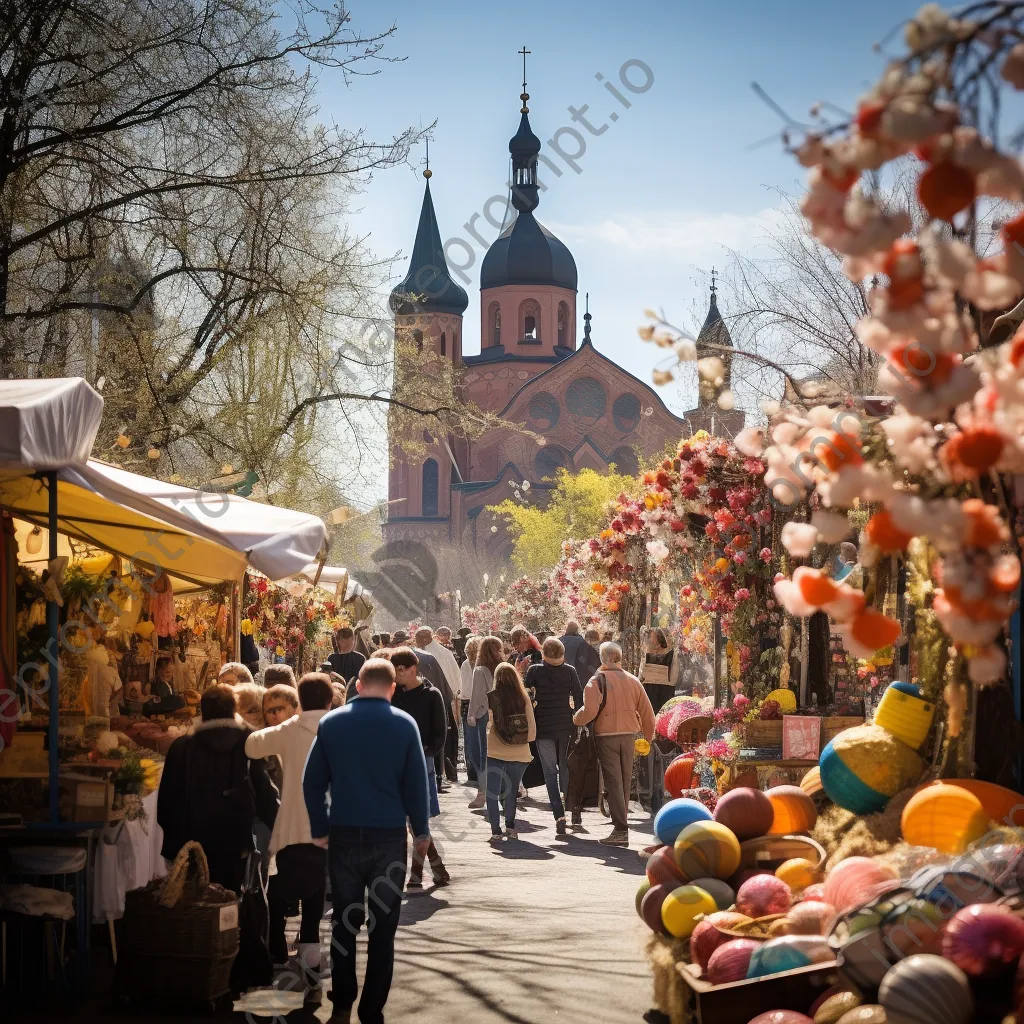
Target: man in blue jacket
{"type": "Point", "coordinates": [368, 756]}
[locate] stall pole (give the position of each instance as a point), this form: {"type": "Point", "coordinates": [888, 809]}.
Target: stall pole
{"type": "Point", "coordinates": [52, 625]}
{"type": "Point", "coordinates": [1015, 673]}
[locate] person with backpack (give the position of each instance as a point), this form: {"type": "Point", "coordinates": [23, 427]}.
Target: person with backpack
{"type": "Point", "coordinates": [615, 702]}
{"type": "Point", "coordinates": [511, 729]}
{"type": "Point", "coordinates": [579, 653]}
{"type": "Point", "coordinates": [488, 659]}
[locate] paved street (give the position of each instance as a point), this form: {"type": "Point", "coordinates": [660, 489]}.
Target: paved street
{"type": "Point", "coordinates": [540, 929]}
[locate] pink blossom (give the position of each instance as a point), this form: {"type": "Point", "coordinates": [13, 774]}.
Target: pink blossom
{"type": "Point", "coordinates": [740, 557]}
{"type": "Point", "coordinates": [742, 594]}
{"type": "Point", "coordinates": [765, 554]}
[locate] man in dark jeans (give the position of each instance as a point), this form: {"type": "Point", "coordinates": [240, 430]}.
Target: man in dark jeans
{"type": "Point", "coordinates": [367, 755]}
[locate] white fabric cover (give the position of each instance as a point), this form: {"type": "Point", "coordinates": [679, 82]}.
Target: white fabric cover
{"type": "Point", "coordinates": [47, 423]}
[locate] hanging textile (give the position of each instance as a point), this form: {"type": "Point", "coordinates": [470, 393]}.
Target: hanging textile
{"type": "Point", "coordinates": [9, 710]}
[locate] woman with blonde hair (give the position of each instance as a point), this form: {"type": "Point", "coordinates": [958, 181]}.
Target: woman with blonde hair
{"type": "Point", "coordinates": [472, 650]}
{"type": "Point", "coordinates": [489, 657]}
{"type": "Point", "coordinates": [511, 729]}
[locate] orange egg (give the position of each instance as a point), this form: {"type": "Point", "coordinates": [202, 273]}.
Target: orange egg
{"type": "Point", "coordinates": [794, 810]}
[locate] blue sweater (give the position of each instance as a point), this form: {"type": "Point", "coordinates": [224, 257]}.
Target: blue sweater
{"type": "Point", "coordinates": [367, 754]}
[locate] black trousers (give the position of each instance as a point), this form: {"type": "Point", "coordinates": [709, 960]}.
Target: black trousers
{"type": "Point", "coordinates": [447, 759]}
{"type": "Point", "coordinates": [302, 877]}
{"type": "Point", "coordinates": [367, 868]}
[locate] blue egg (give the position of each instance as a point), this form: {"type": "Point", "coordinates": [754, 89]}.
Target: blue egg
{"type": "Point", "coordinates": [912, 688]}
{"type": "Point", "coordinates": [775, 957]}
{"type": "Point", "coordinates": [676, 815]}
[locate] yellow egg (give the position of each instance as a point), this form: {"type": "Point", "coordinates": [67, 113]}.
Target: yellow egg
{"type": "Point", "coordinates": [797, 873]}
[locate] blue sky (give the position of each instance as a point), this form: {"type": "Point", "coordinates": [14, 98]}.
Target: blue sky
{"type": "Point", "coordinates": [666, 190]}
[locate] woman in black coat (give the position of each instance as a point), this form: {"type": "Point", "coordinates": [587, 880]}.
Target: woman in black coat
{"type": "Point", "coordinates": [212, 793]}
{"type": "Point", "coordinates": [552, 684]}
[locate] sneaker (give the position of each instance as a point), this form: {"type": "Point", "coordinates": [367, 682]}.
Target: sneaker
{"type": "Point", "coordinates": [511, 833]}
{"type": "Point", "coordinates": [477, 802]}
{"type": "Point", "coordinates": [495, 837]}
{"type": "Point", "coordinates": [618, 837]}
{"type": "Point", "coordinates": [560, 828]}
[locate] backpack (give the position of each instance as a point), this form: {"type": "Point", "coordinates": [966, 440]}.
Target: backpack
{"type": "Point", "coordinates": [513, 729]}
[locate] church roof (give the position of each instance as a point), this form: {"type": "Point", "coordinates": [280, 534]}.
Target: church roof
{"type": "Point", "coordinates": [527, 253]}
{"type": "Point", "coordinates": [714, 329]}
{"type": "Point", "coordinates": [428, 286]}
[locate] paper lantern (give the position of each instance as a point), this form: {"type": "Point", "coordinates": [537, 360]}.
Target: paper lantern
{"type": "Point", "coordinates": [721, 892]}
{"type": "Point", "coordinates": [811, 782]}
{"type": "Point", "coordinates": [679, 776]}
{"type": "Point", "coordinates": [746, 811]}
{"type": "Point", "coordinates": [675, 816]}
{"type": "Point", "coordinates": [926, 989]}
{"type": "Point", "coordinates": [905, 713]}
{"type": "Point", "coordinates": [1001, 805]}
{"type": "Point", "coordinates": [797, 873]}
{"type": "Point", "coordinates": [682, 908]}
{"type": "Point", "coordinates": [947, 818]}
{"type": "Point", "coordinates": [662, 868]}
{"type": "Point", "coordinates": [794, 810]}
{"type": "Point", "coordinates": [707, 848]}
{"type": "Point", "coordinates": [864, 767]}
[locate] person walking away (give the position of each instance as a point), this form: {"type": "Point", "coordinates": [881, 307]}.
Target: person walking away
{"type": "Point", "coordinates": [593, 637]}
{"type": "Point", "coordinates": [659, 675]}
{"type": "Point", "coordinates": [579, 653]}
{"type": "Point", "coordinates": [212, 793]}
{"type": "Point", "coordinates": [430, 669]}
{"type": "Point", "coordinates": [301, 865]}
{"type": "Point", "coordinates": [425, 705]}
{"type": "Point", "coordinates": [465, 691]}
{"type": "Point", "coordinates": [367, 759]}
{"type": "Point", "coordinates": [511, 729]}
{"type": "Point", "coordinates": [444, 656]}
{"type": "Point", "coordinates": [489, 658]}
{"type": "Point", "coordinates": [627, 711]}
{"type": "Point", "coordinates": [556, 691]}
{"type": "Point", "coordinates": [345, 659]}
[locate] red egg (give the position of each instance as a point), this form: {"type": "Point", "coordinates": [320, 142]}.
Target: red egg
{"type": "Point", "coordinates": [763, 895]}
{"type": "Point", "coordinates": [747, 812]}
{"type": "Point", "coordinates": [781, 1017]}
{"type": "Point", "coordinates": [814, 892]}
{"type": "Point", "coordinates": [663, 870]}
{"type": "Point", "coordinates": [730, 961]}
{"type": "Point", "coordinates": [984, 940]}
{"type": "Point", "coordinates": [650, 907]}
{"type": "Point", "coordinates": [707, 937]}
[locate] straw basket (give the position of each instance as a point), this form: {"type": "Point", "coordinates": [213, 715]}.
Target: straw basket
{"type": "Point", "coordinates": [179, 934]}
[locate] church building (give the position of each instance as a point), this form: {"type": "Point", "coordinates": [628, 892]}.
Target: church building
{"type": "Point", "coordinates": [580, 408]}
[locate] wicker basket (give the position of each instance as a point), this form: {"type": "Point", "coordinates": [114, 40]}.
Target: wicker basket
{"type": "Point", "coordinates": [182, 915]}
{"type": "Point", "coordinates": [762, 733]}
{"type": "Point", "coordinates": [184, 980]}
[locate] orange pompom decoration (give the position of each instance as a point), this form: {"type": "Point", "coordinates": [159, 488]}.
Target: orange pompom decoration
{"type": "Point", "coordinates": [883, 532]}
{"type": "Point", "coordinates": [1004, 576]}
{"type": "Point", "coordinates": [974, 450]}
{"type": "Point", "coordinates": [837, 450]}
{"type": "Point", "coordinates": [983, 526]}
{"type": "Point", "coordinates": [945, 189]}
{"type": "Point", "coordinates": [815, 587]}
{"type": "Point", "coordinates": [920, 365]}
{"type": "Point", "coordinates": [869, 632]}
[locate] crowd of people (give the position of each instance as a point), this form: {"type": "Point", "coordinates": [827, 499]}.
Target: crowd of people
{"type": "Point", "coordinates": [325, 783]}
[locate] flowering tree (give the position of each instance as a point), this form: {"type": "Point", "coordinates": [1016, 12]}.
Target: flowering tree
{"type": "Point", "coordinates": [933, 466]}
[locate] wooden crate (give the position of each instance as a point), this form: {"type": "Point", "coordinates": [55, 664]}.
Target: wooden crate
{"type": "Point", "coordinates": [741, 1001]}
{"type": "Point", "coordinates": [762, 733]}
{"type": "Point", "coordinates": [832, 726]}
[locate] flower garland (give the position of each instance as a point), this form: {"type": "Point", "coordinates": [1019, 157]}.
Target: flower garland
{"type": "Point", "coordinates": [285, 622]}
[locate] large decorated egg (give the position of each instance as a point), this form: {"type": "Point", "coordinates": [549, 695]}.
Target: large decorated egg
{"type": "Point", "coordinates": [746, 811]}
{"type": "Point", "coordinates": [781, 1017]}
{"type": "Point", "coordinates": [834, 1006]}
{"type": "Point", "coordinates": [662, 868]}
{"type": "Point", "coordinates": [763, 895]}
{"type": "Point", "coordinates": [855, 881]}
{"type": "Point", "coordinates": [798, 873]}
{"type": "Point", "coordinates": [810, 918]}
{"type": "Point", "coordinates": [793, 810]}
{"type": "Point", "coordinates": [926, 989]}
{"type": "Point", "coordinates": [650, 908]}
{"type": "Point", "coordinates": [645, 886]}
{"type": "Point", "coordinates": [811, 782]}
{"type": "Point", "coordinates": [679, 775]}
{"type": "Point", "coordinates": [730, 961]}
{"type": "Point", "coordinates": [864, 767]}
{"type": "Point", "coordinates": [676, 815]}
{"type": "Point", "coordinates": [719, 891]}
{"type": "Point", "coordinates": [870, 1014]}
{"type": "Point", "coordinates": [708, 935]}
{"type": "Point", "coordinates": [788, 953]}
{"type": "Point", "coordinates": [946, 818]}
{"type": "Point", "coordinates": [682, 908]}
{"type": "Point", "coordinates": [707, 848]}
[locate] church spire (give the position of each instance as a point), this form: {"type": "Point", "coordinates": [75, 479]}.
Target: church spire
{"type": "Point", "coordinates": [524, 148]}
{"type": "Point", "coordinates": [428, 286]}
{"type": "Point", "coordinates": [587, 340]}
{"type": "Point", "coordinates": [714, 332]}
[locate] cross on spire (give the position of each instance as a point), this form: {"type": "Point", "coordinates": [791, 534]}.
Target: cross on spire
{"type": "Point", "coordinates": [427, 172]}
{"type": "Point", "coordinates": [586, 319]}
{"type": "Point", "coordinates": [524, 96]}
{"type": "Point", "coordinates": [714, 274]}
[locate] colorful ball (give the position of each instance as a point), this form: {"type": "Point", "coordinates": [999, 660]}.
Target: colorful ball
{"type": "Point", "coordinates": [650, 908]}
{"type": "Point", "coordinates": [645, 887]}
{"type": "Point", "coordinates": [707, 848]}
{"type": "Point", "coordinates": [682, 908]}
{"type": "Point", "coordinates": [763, 895]}
{"type": "Point", "coordinates": [794, 810]}
{"type": "Point", "coordinates": [946, 818]}
{"type": "Point", "coordinates": [926, 989]}
{"type": "Point", "coordinates": [662, 868]}
{"type": "Point", "coordinates": [721, 892]}
{"type": "Point", "coordinates": [746, 811]}
{"type": "Point", "coordinates": [864, 767]}
{"type": "Point", "coordinates": [797, 873]}
{"type": "Point", "coordinates": [787, 954]}
{"type": "Point", "coordinates": [730, 961]}
{"type": "Point", "coordinates": [676, 815]}
{"type": "Point", "coordinates": [679, 776]}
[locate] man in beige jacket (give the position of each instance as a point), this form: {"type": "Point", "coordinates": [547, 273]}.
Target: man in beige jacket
{"type": "Point", "coordinates": [627, 711]}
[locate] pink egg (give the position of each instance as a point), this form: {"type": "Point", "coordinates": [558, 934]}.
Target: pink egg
{"type": "Point", "coordinates": [810, 918]}
{"type": "Point", "coordinates": [814, 892]}
{"type": "Point", "coordinates": [781, 1017]}
{"type": "Point", "coordinates": [856, 881]}
{"type": "Point", "coordinates": [730, 961]}
{"type": "Point", "coordinates": [707, 937]}
{"type": "Point", "coordinates": [763, 895]}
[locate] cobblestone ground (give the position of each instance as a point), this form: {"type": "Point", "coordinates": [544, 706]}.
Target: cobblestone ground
{"type": "Point", "coordinates": [538, 929]}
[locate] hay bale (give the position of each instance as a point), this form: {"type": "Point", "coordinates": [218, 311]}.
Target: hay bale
{"type": "Point", "coordinates": [845, 834]}
{"type": "Point", "coordinates": [671, 994]}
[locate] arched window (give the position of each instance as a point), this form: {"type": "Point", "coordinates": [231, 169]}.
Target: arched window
{"type": "Point", "coordinates": [417, 337]}
{"type": "Point", "coordinates": [529, 323]}
{"type": "Point", "coordinates": [563, 324]}
{"type": "Point", "coordinates": [430, 487]}
{"type": "Point", "coordinates": [444, 344]}
{"type": "Point", "coordinates": [494, 319]}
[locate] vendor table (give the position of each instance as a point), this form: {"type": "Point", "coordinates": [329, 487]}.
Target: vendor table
{"type": "Point", "coordinates": [763, 773]}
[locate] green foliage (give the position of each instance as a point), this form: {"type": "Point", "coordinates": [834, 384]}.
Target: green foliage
{"type": "Point", "coordinates": [578, 508]}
